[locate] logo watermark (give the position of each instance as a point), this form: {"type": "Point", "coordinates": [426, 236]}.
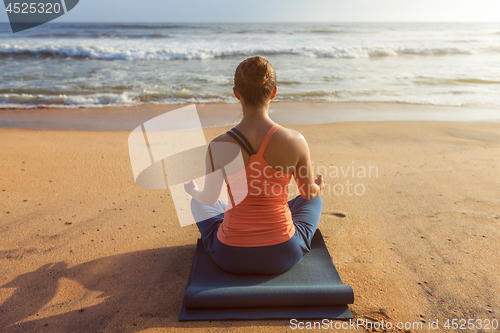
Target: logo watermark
{"type": "Point", "coordinates": [340, 180]}
{"type": "Point", "coordinates": [170, 150]}
{"type": "Point", "coordinates": [426, 326]}
{"type": "Point", "coordinates": [26, 14]}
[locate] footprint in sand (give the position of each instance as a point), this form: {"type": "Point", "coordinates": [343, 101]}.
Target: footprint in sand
{"type": "Point", "coordinates": [337, 214]}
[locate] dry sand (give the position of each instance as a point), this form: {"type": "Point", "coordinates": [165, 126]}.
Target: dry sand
{"type": "Point", "coordinates": [83, 249]}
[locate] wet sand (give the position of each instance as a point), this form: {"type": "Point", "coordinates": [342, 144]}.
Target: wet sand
{"type": "Point", "coordinates": [83, 248]}
{"type": "Point", "coordinates": [113, 118]}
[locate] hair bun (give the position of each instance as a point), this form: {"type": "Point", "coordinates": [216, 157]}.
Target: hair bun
{"type": "Point", "coordinates": [256, 71]}
{"type": "Point", "coordinates": [255, 80]}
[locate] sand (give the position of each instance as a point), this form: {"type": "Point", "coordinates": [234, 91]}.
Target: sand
{"type": "Point", "coordinates": [83, 249]}
{"type": "Point", "coordinates": [216, 114]}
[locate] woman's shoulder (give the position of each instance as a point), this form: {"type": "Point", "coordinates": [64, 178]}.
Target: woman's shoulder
{"type": "Point", "coordinates": [289, 133]}
{"type": "Point", "coordinates": [284, 138]}
{"type": "Point", "coordinates": [224, 137]}
{"type": "Point", "coordinates": [222, 150]}
{"type": "Point", "coordinates": [287, 146]}
{"type": "Point", "coordinates": [289, 137]}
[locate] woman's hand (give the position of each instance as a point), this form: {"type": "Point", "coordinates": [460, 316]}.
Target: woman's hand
{"type": "Point", "coordinates": [190, 187]}
{"type": "Point", "coordinates": [319, 181]}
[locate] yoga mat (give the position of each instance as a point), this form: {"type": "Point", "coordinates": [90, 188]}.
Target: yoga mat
{"type": "Point", "coordinates": [311, 289]}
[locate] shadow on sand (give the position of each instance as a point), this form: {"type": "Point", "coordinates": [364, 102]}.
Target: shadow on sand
{"type": "Point", "coordinates": [134, 291]}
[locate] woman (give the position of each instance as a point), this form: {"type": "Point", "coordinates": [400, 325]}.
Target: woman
{"type": "Point", "coordinates": [262, 234]}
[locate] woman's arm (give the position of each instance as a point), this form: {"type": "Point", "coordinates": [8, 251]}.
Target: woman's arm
{"type": "Point", "coordinates": [309, 187]}
{"type": "Point", "coordinates": [213, 184]}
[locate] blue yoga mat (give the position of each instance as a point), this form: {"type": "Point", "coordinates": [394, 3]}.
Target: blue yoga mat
{"type": "Point", "coordinates": [310, 290]}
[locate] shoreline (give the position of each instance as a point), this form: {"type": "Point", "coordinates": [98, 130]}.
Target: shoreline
{"type": "Point", "coordinates": [116, 118]}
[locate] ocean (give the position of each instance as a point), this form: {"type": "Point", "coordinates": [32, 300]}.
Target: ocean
{"type": "Point", "coordinates": [94, 64]}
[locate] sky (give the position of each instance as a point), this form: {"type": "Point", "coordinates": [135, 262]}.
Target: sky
{"type": "Point", "coordinates": [282, 11]}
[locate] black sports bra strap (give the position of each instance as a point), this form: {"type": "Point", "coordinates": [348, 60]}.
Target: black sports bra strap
{"type": "Point", "coordinates": [240, 142]}
{"type": "Point", "coordinates": [244, 139]}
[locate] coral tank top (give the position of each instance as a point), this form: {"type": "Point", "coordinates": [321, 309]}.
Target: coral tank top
{"type": "Point", "coordinates": [263, 217]}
